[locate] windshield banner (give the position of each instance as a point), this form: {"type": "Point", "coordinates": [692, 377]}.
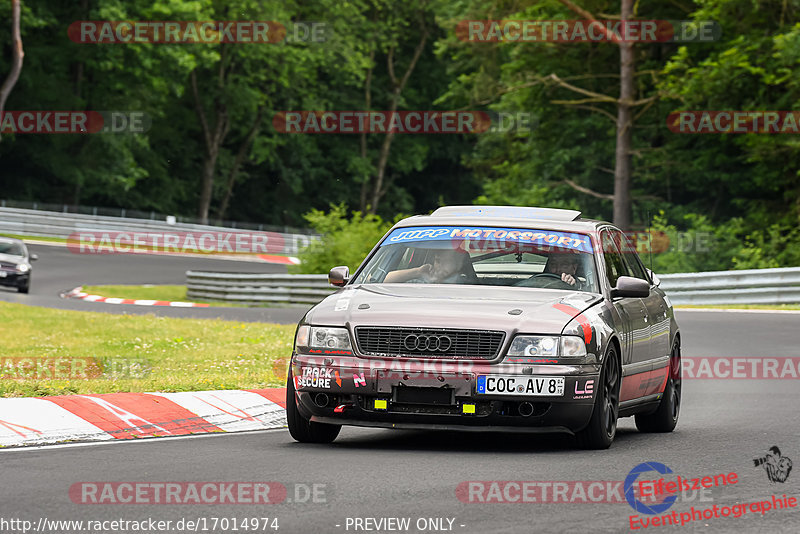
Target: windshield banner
{"type": "Point", "coordinates": [577, 242]}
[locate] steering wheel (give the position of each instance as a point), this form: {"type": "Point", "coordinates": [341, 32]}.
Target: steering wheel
{"type": "Point", "coordinates": [552, 281]}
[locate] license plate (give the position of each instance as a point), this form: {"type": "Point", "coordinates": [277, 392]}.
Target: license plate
{"type": "Point", "coordinates": [531, 386]}
{"type": "Point", "coordinates": [412, 395]}
{"type": "Point", "coordinates": [3, 274]}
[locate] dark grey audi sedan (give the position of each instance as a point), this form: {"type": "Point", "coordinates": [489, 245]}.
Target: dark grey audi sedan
{"type": "Point", "coordinates": [490, 318]}
{"type": "Point", "coordinates": [15, 264]}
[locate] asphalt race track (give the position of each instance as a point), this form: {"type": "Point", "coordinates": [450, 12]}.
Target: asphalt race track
{"type": "Point", "coordinates": [59, 270]}
{"type": "Point", "coordinates": [381, 474]}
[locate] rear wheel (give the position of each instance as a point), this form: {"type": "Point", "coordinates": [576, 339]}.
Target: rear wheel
{"type": "Point", "coordinates": [602, 427]}
{"type": "Point", "coordinates": [302, 429]}
{"type": "Point", "coordinates": [666, 415]}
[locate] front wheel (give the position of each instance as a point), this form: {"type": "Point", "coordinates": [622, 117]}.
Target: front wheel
{"type": "Point", "coordinates": [666, 415]}
{"type": "Point", "coordinates": [302, 429]}
{"type": "Point", "coordinates": [602, 427]}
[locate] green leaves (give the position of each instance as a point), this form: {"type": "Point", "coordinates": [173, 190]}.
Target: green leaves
{"type": "Point", "coordinates": [345, 240]}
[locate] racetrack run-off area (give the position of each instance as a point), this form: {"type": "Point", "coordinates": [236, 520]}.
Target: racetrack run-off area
{"type": "Point", "coordinates": [69, 418]}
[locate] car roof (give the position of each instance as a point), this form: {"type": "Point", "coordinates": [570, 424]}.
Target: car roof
{"type": "Point", "coordinates": [11, 240]}
{"type": "Point", "coordinates": [505, 216]}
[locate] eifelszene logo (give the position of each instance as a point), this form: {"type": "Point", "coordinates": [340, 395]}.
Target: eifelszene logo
{"type": "Point", "coordinates": [630, 487]}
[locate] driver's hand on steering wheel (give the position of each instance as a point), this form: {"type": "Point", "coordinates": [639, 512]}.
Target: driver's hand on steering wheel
{"type": "Point", "coordinates": [568, 279]}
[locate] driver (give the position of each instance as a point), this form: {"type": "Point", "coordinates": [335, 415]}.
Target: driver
{"type": "Point", "coordinates": [564, 264]}
{"type": "Point", "coordinates": [448, 267]}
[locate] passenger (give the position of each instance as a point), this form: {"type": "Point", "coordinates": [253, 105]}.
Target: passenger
{"type": "Point", "coordinates": [449, 267]}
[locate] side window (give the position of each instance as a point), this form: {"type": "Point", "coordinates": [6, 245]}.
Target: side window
{"type": "Point", "coordinates": [629, 255]}
{"type": "Point", "coordinates": [615, 266]}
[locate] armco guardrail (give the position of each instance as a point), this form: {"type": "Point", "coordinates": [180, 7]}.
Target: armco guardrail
{"type": "Point", "coordinates": [755, 286]}
{"type": "Point", "coordinates": [258, 288]}
{"type": "Point", "coordinates": [752, 286]}
{"type": "Point", "coordinates": [55, 224]}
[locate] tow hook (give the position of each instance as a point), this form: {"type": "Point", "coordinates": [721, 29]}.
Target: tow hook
{"type": "Point", "coordinates": [341, 408]}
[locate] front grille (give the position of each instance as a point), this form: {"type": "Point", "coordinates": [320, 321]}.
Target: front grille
{"type": "Point", "coordinates": [429, 342]}
{"type": "Point", "coordinates": [9, 266]}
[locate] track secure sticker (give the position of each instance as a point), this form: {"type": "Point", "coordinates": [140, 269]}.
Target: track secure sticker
{"type": "Point", "coordinates": [315, 377]}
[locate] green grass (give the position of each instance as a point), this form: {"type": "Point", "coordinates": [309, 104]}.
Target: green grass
{"type": "Point", "coordinates": [183, 354]}
{"type": "Point", "coordinates": [743, 306]}
{"type": "Point", "coordinates": [163, 292]}
{"type": "Point", "coordinates": [145, 292]}
{"type": "Point", "coordinates": [35, 238]}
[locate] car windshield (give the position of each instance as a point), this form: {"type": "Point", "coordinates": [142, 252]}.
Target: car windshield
{"type": "Point", "coordinates": [12, 249]}
{"type": "Point", "coordinates": [474, 255]}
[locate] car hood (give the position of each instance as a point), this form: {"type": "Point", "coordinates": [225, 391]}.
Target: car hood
{"type": "Point", "coordinates": [542, 311]}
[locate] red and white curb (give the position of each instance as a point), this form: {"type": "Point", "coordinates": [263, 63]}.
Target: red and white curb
{"type": "Point", "coordinates": [112, 416]}
{"type": "Point", "coordinates": [283, 260]}
{"type": "Point", "coordinates": [78, 293]}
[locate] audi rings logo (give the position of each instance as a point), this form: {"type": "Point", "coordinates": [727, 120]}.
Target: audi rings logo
{"type": "Point", "coordinates": [429, 343]}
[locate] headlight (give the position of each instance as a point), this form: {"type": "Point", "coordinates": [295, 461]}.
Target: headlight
{"type": "Point", "coordinates": [23, 268]}
{"type": "Point", "coordinates": [534, 346]}
{"type": "Point", "coordinates": [548, 346]}
{"type": "Point", "coordinates": [321, 337]}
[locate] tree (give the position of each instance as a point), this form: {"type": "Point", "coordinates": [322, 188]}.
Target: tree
{"type": "Point", "coordinates": [16, 54]}
{"type": "Point", "coordinates": [398, 28]}
{"type": "Point", "coordinates": [570, 151]}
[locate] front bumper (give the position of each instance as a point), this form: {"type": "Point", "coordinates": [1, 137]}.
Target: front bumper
{"type": "Point", "coordinates": [344, 390]}
{"type": "Point", "coordinates": [15, 279]}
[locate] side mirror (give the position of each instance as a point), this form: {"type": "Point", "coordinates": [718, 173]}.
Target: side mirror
{"type": "Point", "coordinates": [656, 280]}
{"type": "Point", "coordinates": [339, 276]}
{"type": "Point", "coordinates": [34, 257]}
{"type": "Point", "coordinates": [631, 287]}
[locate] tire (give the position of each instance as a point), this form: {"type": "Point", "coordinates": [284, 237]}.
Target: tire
{"type": "Point", "coordinates": [602, 427]}
{"type": "Point", "coordinates": [24, 289]}
{"type": "Point", "coordinates": [666, 415]}
{"type": "Point", "coordinates": [302, 429]}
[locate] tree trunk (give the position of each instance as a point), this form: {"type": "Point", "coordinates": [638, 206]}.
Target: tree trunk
{"type": "Point", "coordinates": [240, 157]}
{"type": "Point", "coordinates": [623, 164]}
{"type": "Point", "coordinates": [378, 189]}
{"type": "Point", "coordinates": [383, 158]}
{"type": "Point", "coordinates": [363, 137]}
{"type": "Point", "coordinates": [213, 139]}
{"type": "Point", "coordinates": [16, 56]}
{"type": "Point", "coordinates": [207, 184]}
